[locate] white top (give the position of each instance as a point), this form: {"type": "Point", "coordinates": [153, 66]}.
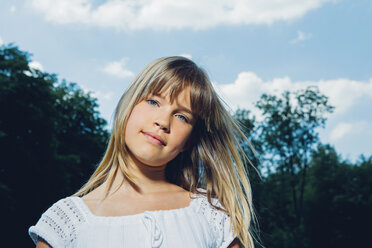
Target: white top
{"type": "Point", "coordinates": [70, 223]}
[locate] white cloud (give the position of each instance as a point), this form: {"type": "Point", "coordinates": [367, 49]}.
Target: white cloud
{"type": "Point", "coordinates": [345, 130]}
{"type": "Point", "coordinates": [12, 9]}
{"type": "Point", "coordinates": [117, 69]}
{"type": "Point", "coordinates": [36, 65]}
{"type": "Point", "coordinates": [64, 11]}
{"type": "Point", "coordinates": [348, 128]}
{"type": "Point", "coordinates": [186, 55]}
{"type": "Point", "coordinates": [340, 131]}
{"type": "Point", "coordinates": [170, 14]}
{"type": "Point", "coordinates": [106, 96]}
{"type": "Point", "coordinates": [248, 87]}
{"type": "Point", "coordinates": [301, 36]}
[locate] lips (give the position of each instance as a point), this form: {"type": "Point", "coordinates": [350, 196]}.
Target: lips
{"type": "Point", "coordinates": [154, 138]}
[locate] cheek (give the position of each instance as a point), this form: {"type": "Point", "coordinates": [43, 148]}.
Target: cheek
{"type": "Point", "coordinates": [183, 139]}
{"type": "Point", "coordinates": [134, 122]}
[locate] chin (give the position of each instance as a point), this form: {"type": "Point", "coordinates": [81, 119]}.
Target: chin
{"type": "Point", "coordinates": [152, 163]}
{"type": "Point", "coordinates": [155, 164]}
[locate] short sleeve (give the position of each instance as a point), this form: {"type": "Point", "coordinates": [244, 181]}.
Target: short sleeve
{"type": "Point", "coordinates": [57, 225]}
{"type": "Point", "coordinates": [219, 221]}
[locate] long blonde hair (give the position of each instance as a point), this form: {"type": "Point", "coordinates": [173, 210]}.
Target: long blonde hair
{"type": "Point", "coordinates": [214, 160]}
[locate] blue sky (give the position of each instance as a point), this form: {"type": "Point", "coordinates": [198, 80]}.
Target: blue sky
{"type": "Point", "coordinates": [248, 48]}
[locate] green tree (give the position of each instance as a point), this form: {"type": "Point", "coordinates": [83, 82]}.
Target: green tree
{"type": "Point", "coordinates": [310, 198]}
{"type": "Point", "coordinates": [289, 135]}
{"type": "Point", "coordinates": [338, 200]}
{"type": "Point", "coordinates": [51, 137]}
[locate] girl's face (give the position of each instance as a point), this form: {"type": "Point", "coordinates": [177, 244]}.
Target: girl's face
{"type": "Point", "coordinates": [158, 129]}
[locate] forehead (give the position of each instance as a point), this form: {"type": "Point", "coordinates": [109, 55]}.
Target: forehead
{"type": "Point", "coordinates": [180, 97]}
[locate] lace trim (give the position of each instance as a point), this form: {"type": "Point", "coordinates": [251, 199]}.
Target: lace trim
{"type": "Point", "coordinates": [54, 225]}
{"type": "Point", "coordinates": [63, 217]}
{"type": "Point", "coordinates": [216, 218]}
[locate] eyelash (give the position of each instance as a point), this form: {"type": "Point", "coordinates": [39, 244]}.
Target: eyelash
{"type": "Point", "coordinates": [152, 102]}
{"type": "Point", "coordinates": [155, 103]}
{"type": "Point", "coordinates": [183, 118]}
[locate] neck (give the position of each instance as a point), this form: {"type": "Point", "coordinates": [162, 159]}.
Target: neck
{"type": "Point", "coordinates": [148, 179]}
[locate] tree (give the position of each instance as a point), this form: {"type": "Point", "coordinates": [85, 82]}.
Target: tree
{"type": "Point", "coordinates": [338, 200]}
{"type": "Point", "coordinates": [51, 137]}
{"type": "Point", "coordinates": [289, 136]}
{"type": "Point", "coordinates": [309, 198]}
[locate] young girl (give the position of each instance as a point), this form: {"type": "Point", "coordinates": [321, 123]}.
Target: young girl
{"type": "Point", "coordinates": [173, 174]}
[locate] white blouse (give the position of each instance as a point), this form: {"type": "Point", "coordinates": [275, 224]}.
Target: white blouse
{"type": "Point", "coordinates": [70, 223]}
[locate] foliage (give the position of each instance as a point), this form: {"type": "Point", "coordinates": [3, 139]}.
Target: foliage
{"type": "Point", "coordinates": [51, 137]}
{"type": "Point", "coordinates": [338, 201]}
{"type": "Point", "coordinates": [288, 133]}
{"type": "Point", "coordinates": [289, 127]}
{"type": "Point", "coordinates": [337, 204]}
{"type": "Point", "coordinates": [309, 198]}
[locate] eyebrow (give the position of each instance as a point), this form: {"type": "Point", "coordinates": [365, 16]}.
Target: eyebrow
{"type": "Point", "coordinates": [182, 108]}
{"type": "Point", "coordinates": [186, 110]}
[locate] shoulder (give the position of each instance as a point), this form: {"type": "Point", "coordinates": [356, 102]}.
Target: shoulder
{"type": "Point", "coordinates": [212, 211]}
{"type": "Point", "coordinates": [58, 224]}
{"type": "Point", "coordinates": [218, 220]}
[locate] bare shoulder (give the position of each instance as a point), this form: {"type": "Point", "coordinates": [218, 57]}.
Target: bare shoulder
{"type": "Point", "coordinates": [95, 194]}
{"type": "Point", "coordinates": [42, 244]}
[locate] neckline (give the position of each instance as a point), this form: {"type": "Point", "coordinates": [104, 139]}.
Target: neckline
{"type": "Point", "coordinates": [87, 210]}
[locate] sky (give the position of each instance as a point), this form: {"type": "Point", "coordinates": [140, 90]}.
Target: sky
{"type": "Point", "coordinates": [247, 47]}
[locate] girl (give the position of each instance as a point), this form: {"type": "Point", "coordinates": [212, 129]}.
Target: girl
{"type": "Point", "coordinates": [173, 174]}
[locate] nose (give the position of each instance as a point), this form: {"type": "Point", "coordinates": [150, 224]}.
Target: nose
{"type": "Point", "coordinates": [163, 122]}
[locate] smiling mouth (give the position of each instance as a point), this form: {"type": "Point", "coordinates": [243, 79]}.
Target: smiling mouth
{"type": "Point", "coordinates": [154, 139]}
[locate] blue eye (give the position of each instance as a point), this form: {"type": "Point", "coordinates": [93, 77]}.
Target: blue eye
{"type": "Point", "coordinates": [182, 118]}
{"type": "Point", "coordinates": [152, 102]}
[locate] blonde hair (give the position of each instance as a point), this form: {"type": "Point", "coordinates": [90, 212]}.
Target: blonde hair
{"type": "Point", "coordinates": [214, 160]}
